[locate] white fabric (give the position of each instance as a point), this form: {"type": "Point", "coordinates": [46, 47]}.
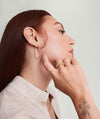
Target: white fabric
{"type": "Point", "coordinates": [22, 100]}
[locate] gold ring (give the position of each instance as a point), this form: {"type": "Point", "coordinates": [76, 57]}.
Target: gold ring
{"type": "Point", "coordinates": [58, 64]}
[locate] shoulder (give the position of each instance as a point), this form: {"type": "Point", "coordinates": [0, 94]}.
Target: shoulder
{"type": "Point", "coordinates": [9, 101]}
{"type": "Point", "coordinates": [9, 94]}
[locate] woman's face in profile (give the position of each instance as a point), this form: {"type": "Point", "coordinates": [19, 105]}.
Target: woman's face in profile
{"type": "Point", "coordinates": [58, 42]}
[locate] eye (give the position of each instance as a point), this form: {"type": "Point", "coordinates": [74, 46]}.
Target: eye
{"type": "Point", "coordinates": [62, 31]}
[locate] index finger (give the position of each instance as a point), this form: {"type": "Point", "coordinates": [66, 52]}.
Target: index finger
{"type": "Point", "coordinates": [50, 68]}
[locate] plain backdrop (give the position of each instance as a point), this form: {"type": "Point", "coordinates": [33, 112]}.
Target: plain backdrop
{"type": "Point", "coordinates": [81, 20]}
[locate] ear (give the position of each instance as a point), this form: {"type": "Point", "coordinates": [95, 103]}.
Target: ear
{"type": "Point", "coordinates": [30, 35]}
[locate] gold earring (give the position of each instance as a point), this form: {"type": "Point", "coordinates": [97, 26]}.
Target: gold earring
{"type": "Point", "coordinates": [37, 51]}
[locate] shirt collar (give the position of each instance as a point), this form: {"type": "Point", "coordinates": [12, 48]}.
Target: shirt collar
{"type": "Point", "coordinates": [30, 91]}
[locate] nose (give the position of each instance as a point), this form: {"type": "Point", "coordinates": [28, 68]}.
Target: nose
{"type": "Point", "coordinates": [71, 41]}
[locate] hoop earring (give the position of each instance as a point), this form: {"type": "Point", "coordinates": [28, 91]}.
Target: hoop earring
{"type": "Point", "coordinates": [37, 52]}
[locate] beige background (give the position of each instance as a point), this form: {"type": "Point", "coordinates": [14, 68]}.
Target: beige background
{"type": "Point", "coordinates": [81, 19]}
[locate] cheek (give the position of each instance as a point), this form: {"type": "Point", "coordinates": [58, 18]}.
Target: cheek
{"type": "Point", "coordinates": [54, 46]}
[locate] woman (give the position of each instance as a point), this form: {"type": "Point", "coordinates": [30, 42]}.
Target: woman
{"type": "Point", "coordinates": [35, 49]}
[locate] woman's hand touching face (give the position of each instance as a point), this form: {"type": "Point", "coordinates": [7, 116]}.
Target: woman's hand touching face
{"type": "Point", "coordinates": [68, 78]}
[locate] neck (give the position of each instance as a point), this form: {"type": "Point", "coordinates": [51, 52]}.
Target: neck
{"type": "Point", "coordinates": [34, 72]}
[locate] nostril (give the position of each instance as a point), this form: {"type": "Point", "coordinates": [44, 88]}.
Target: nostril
{"type": "Point", "coordinates": [72, 43]}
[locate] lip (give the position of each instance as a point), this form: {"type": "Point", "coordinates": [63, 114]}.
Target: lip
{"type": "Point", "coordinates": [71, 51]}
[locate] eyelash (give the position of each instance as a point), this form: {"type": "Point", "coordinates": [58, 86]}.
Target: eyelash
{"type": "Point", "coordinates": [62, 31]}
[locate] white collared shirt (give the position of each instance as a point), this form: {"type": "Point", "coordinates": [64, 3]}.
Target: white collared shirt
{"type": "Point", "coordinates": [22, 100]}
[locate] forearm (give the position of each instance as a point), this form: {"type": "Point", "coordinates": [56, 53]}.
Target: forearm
{"type": "Point", "coordinates": [86, 107]}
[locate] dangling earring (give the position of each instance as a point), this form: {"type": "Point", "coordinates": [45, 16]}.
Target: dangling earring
{"type": "Point", "coordinates": [37, 51]}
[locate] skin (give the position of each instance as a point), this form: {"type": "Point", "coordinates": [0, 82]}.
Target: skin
{"type": "Point", "coordinates": [56, 46]}
{"type": "Point", "coordinates": [69, 78]}
{"type": "Point", "coordinates": [53, 42]}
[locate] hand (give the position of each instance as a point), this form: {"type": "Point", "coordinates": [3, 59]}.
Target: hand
{"type": "Point", "coordinates": [68, 78]}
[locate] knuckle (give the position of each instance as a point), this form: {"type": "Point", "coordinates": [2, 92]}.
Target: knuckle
{"type": "Point", "coordinates": [62, 70]}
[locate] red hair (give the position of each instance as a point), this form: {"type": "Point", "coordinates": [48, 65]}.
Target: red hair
{"type": "Point", "coordinates": [13, 44]}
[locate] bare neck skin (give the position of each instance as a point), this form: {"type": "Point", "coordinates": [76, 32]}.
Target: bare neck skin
{"type": "Point", "coordinates": [34, 71]}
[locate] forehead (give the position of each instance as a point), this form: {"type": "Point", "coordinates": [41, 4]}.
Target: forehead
{"type": "Point", "coordinates": [49, 20]}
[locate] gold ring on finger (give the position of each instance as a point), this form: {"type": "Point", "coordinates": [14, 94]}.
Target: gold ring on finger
{"type": "Point", "coordinates": [58, 64]}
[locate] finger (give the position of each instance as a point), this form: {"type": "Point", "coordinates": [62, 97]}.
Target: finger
{"type": "Point", "coordinates": [74, 61]}
{"type": "Point", "coordinates": [66, 62]}
{"type": "Point", "coordinates": [60, 66]}
{"type": "Point", "coordinates": [50, 68]}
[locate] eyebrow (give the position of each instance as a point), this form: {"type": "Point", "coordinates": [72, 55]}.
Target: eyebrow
{"type": "Point", "coordinates": [59, 23]}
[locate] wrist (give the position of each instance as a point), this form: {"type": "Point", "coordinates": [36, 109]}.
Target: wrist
{"type": "Point", "coordinates": [85, 106]}
{"type": "Point", "coordinates": [81, 97]}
